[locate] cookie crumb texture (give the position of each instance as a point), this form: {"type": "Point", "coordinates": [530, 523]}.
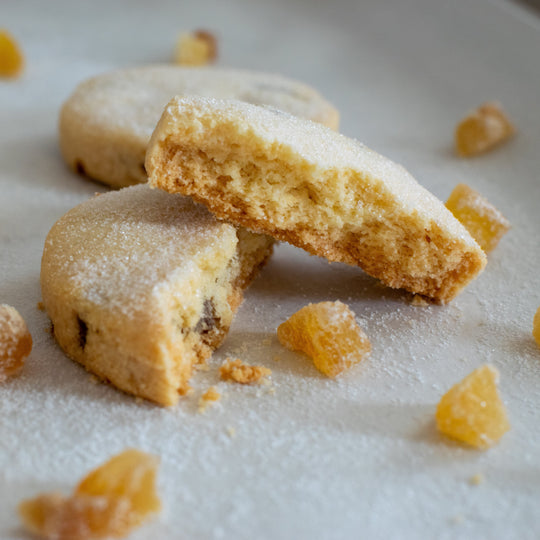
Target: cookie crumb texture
{"type": "Point", "coordinates": [196, 48]}
{"type": "Point", "coordinates": [234, 370]}
{"type": "Point", "coordinates": [485, 223]}
{"type": "Point", "coordinates": [109, 502]}
{"type": "Point", "coordinates": [305, 184]}
{"type": "Point", "coordinates": [329, 334]}
{"type": "Point", "coordinates": [536, 327]}
{"type": "Point", "coordinates": [11, 57]}
{"type": "Point", "coordinates": [208, 398]}
{"type": "Point", "coordinates": [15, 342]}
{"type": "Point", "coordinates": [141, 286]}
{"type": "Point", "coordinates": [472, 411]}
{"type": "Point", "coordinates": [482, 130]}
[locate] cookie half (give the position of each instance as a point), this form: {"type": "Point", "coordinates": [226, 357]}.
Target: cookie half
{"type": "Point", "coordinates": [303, 183]}
{"type": "Point", "coordinates": [107, 122]}
{"type": "Point", "coordinates": [140, 285]}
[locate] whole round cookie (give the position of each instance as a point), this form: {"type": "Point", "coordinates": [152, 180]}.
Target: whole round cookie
{"type": "Point", "coordinates": [107, 122]}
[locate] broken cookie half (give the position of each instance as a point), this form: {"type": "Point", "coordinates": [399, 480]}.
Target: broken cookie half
{"type": "Point", "coordinates": [141, 285]}
{"type": "Point", "coordinates": [303, 183]}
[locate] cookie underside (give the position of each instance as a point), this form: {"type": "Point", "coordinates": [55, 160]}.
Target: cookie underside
{"type": "Point", "coordinates": [318, 190]}
{"type": "Point", "coordinates": [141, 287]}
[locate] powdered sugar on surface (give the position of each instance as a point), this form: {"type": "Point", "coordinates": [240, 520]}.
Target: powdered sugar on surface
{"type": "Point", "coordinates": [313, 458]}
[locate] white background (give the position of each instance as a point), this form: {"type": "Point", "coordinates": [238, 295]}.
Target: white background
{"type": "Point", "coordinates": [358, 457]}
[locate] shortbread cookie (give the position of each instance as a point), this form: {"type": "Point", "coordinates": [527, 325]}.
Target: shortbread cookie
{"type": "Point", "coordinates": [106, 124]}
{"type": "Point", "coordinates": [303, 183]}
{"type": "Point", "coordinates": [140, 285]}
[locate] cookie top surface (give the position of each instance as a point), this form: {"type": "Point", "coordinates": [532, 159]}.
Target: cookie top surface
{"type": "Point", "coordinates": [133, 99]}
{"type": "Point", "coordinates": [120, 249]}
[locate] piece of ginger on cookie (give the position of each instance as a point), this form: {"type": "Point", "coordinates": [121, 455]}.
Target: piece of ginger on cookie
{"type": "Point", "coordinates": [329, 334]}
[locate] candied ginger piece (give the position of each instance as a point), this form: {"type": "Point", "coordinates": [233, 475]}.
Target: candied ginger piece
{"type": "Point", "coordinates": [195, 48]}
{"type": "Point", "coordinates": [237, 371]}
{"type": "Point", "coordinates": [15, 341]}
{"type": "Point", "coordinates": [483, 129]}
{"type": "Point", "coordinates": [536, 327]}
{"type": "Point", "coordinates": [472, 411]}
{"type": "Point", "coordinates": [327, 332]}
{"type": "Point", "coordinates": [54, 516]}
{"type": "Point", "coordinates": [109, 501]}
{"type": "Point", "coordinates": [11, 57]}
{"type": "Point", "coordinates": [484, 222]}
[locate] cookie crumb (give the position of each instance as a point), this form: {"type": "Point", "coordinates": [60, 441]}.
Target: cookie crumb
{"type": "Point", "coordinates": [266, 341]}
{"type": "Point", "coordinates": [210, 396]}
{"type": "Point", "coordinates": [234, 370]}
{"type": "Point", "coordinates": [11, 57]}
{"type": "Point", "coordinates": [40, 306]}
{"type": "Point", "coordinates": [231, 432]}
{"type": "Point", "coordinates": [482, 130]}
{"type": "Point", "coordinates": [186, 390]}
{"type": "Point", "coordinates": [477, 479]}
{"type": "Point", "coordinates": [196, 48]}
{"type": "Point", "coordinates": [15, 342]}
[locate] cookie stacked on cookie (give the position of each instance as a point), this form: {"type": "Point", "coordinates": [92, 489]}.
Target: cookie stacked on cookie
{"type": "Point", "coordinates": [301, 182]}
{"type": "Point", "coordinates": [141, 285]}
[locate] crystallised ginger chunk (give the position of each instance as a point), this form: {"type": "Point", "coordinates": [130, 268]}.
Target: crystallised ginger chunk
{"type": "Point", "coordinates": [195, 49]}
{"type": "Point", "coordinates": [328, 333]}
{"type": "Point", "coordinates": [108, 502]}
{"type": "Point", "coordinates": [237, 371]}
{"type": "Point", "coordinates": [536, 327]}
{"type": "Point", "coordinates": [472, 411]}
{"type": "Point", "coordinates": [15, 341]}
{"type": "Point", "coordinates": [484, 222]}
{"type": "Point", "coordinates": [483, 129]}
{"type": "Point", "coordinates": [11, 57]}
